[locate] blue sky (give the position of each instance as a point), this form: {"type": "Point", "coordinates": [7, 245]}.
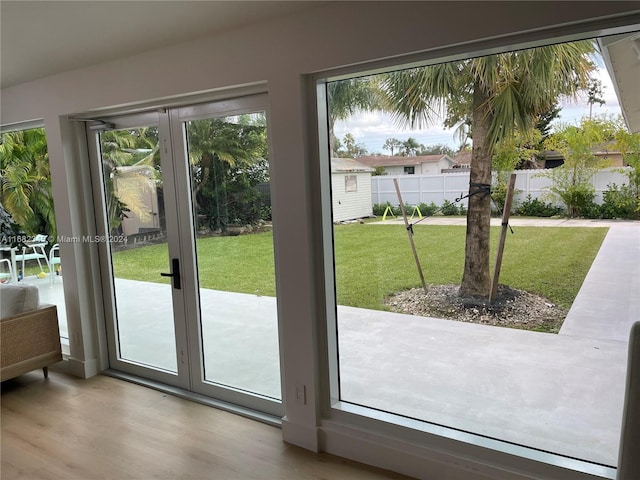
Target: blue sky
{"type": "Point", "coordinates": [373, 128]}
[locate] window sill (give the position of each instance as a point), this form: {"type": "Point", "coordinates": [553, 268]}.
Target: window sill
{"type": "Point", "coordinates": [358, 432]}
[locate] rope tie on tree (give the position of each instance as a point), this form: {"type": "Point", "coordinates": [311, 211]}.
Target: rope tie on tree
{"type": "Point", "coordinates": [481, 188]}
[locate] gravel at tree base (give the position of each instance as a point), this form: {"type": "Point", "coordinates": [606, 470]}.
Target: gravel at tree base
{"type": "Point", "coordinates": [512, 308]}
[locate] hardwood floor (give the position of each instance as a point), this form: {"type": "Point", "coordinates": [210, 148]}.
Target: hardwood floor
{"type": "Point", "coordinates": [102, 427]}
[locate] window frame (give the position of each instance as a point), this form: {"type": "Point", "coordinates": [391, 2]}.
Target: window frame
{"type": "Point", "coordinates": [338, 415]}
{"type": "Point", "coordinates": [351, 183]}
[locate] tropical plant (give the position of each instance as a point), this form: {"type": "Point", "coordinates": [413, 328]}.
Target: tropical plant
{"type": "Point", "coordinates": [411, 147]}
{"type": "Point", "coordinates": [10, 232]}
{"type": "Point", "coordinates": [629, 144]}
{"type": "Point", "coordinates": [594, 94]}
{"type": "Point", "coordinates": [508, 154]}
{"type": "Point", "coordinates": [25, 181]}
{"type": "Point", "coordinates": [437, 149]}
{"type": "Point", "coordinates": [349, 148]}
{"type": "Point", "coordinates": [392, 144]}
{"type": "Point", "coordinates": [571, 182]}
{"type": "Point", "coordinates": [346, 97]}
{"type": "Point", "coordinates": [228, 159]}
{"type": "Point", "coordinates": [495, 96]}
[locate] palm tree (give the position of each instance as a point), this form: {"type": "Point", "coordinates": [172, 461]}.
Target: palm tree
{"type": "Point", "coordinates": [392, 144]}
{"type": "Point", "coordinates": [228, 158]}
{"type": "Point", "coordinates": [25, 181]}
{"type": "Point", "coordinates": [411, 147]}
{"type": "Point", "coordinates": [346, 97]}
{"type": "Point", "coordinates": [499, 94]}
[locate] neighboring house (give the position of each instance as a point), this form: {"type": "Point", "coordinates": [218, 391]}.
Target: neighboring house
{"type": "Point", "coordinates": [462, 162]}
{"type": "Point", "coordinates": [548, 159]}
{"type": "Point", "coordinates": [553, 159]}
{"type": "Point", "coordinates": [420, 165]}
{"type": "Point", "coordinates": [350, 189]}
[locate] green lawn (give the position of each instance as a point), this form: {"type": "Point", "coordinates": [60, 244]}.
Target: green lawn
{"type": "Point", "coordinates": [375, 260]}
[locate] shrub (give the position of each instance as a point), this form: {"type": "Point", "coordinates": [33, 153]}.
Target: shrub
{"type": "Point", "coordinates": [397, 211]}
{"type": "Point", "coordinates": [577, 197]}
{"type": "Point", "coordinates": [379, 208]}
{"type": "Point", "coordinates": [619, 202]}
{"type": "Point", "coordinates": [11, 234]}
{"type": "Point", "coordinates": [265, 213]}
{"type": "Point", "coordinates": [499, 195]}
{"type": "Point", "coordinates": [428, 210]}
{"type": "Point", "coordinates": [532, 207]}
{"type": "Point", "coordinates": [591, 210]}
{"type": "Point", "coordinates": [449, 208]}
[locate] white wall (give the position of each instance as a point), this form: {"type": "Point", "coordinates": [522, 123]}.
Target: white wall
{"type": "Point", "coordinates": [399, 170]}
{"type": "Point", "coordinates": [426, 168]}
{"type": "Point", "coordinates": [433, 168]}
{"type": "Point", "coordinates": [280, 55]}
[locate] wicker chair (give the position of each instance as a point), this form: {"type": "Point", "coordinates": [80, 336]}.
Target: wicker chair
{"type": "Point", "coordinates": [29, 336]}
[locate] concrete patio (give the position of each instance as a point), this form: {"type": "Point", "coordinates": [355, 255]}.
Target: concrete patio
{"type": "Point", "coordinates": [558, 393]}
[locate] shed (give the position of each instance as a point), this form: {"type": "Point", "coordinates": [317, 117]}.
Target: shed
{"type": "Point", "coordinates": [350, 189]}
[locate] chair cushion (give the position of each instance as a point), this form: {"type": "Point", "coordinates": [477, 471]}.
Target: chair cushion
{"type": "Point", "coordinates": [16, 299]}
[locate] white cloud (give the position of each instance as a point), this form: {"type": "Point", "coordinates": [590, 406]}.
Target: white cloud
{"type": "Point", "coordinates": [373, 128]}
{"type": "Point", "coordinates": [573, 111]}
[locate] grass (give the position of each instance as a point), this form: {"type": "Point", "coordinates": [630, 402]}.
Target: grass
{"type": "Point", "coordinates": [373, 261]}
{"type": "Point", "coordinates": [242, 263]}
{"type": "Point", "coordinates": [548, 261]}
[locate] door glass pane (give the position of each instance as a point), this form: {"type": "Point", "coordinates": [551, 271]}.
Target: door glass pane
{"type": "Point", "coordinates": [234, 246]}
{"type": "Point", "coordinates": [138, 247]}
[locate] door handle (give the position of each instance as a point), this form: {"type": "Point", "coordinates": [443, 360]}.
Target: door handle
{"type": "Point", "coordinates": [175, 273]}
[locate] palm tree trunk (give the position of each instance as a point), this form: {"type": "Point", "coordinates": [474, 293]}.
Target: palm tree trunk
{"type": "Point", "coordinates": [332, 135]}
{"type": "Point", "coordinates": [475, 278]}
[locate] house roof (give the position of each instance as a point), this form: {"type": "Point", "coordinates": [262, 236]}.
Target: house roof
{"type": "Point", "coordinates": [463, 158]}
{"type": "Point", "coordinates": [555, 155]}
{"type": "Point", "coordinates": [397, 161]}
{"type": "Point", "coordinates": [346, 165]}
{"type": "Point", "coordinates": [621, 54]}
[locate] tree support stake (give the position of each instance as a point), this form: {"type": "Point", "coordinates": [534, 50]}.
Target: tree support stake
{"type": "Point", "coordinates": [503, 235]}
{"type": "Point", "coordinates": [410, 233]}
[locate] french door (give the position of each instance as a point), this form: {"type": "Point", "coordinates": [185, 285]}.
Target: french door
{"type": "Point", "coordinates": [188, 252]}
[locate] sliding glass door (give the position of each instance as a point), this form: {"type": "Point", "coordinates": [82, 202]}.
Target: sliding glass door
{"type": "Point", "coordinates": [189, 250]}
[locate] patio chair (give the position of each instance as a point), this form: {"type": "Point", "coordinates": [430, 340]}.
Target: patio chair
{"type": "Point", "coordinates": [54, 259]}
{"type": "Point", "coordinates": [6, 273]}
{"type": "Point", "coordinates": [34, 250]}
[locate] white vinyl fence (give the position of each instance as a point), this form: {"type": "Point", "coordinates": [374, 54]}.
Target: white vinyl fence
{"type": "Point", "coordinates": [416, 189]}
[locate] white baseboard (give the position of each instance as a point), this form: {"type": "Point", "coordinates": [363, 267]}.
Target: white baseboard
{"type": "Point", "coordinates": [83, 368]}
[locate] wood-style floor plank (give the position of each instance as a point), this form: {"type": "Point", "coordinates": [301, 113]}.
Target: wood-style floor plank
{"type": "Point", "coordinates": [105, 428]}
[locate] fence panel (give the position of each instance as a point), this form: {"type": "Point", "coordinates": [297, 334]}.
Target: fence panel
{"type": "Point", "coordinates": [417, 189]}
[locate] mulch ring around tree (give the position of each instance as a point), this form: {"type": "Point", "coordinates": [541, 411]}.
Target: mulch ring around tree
{"type": "Point", "coordinates": [512, 308]}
